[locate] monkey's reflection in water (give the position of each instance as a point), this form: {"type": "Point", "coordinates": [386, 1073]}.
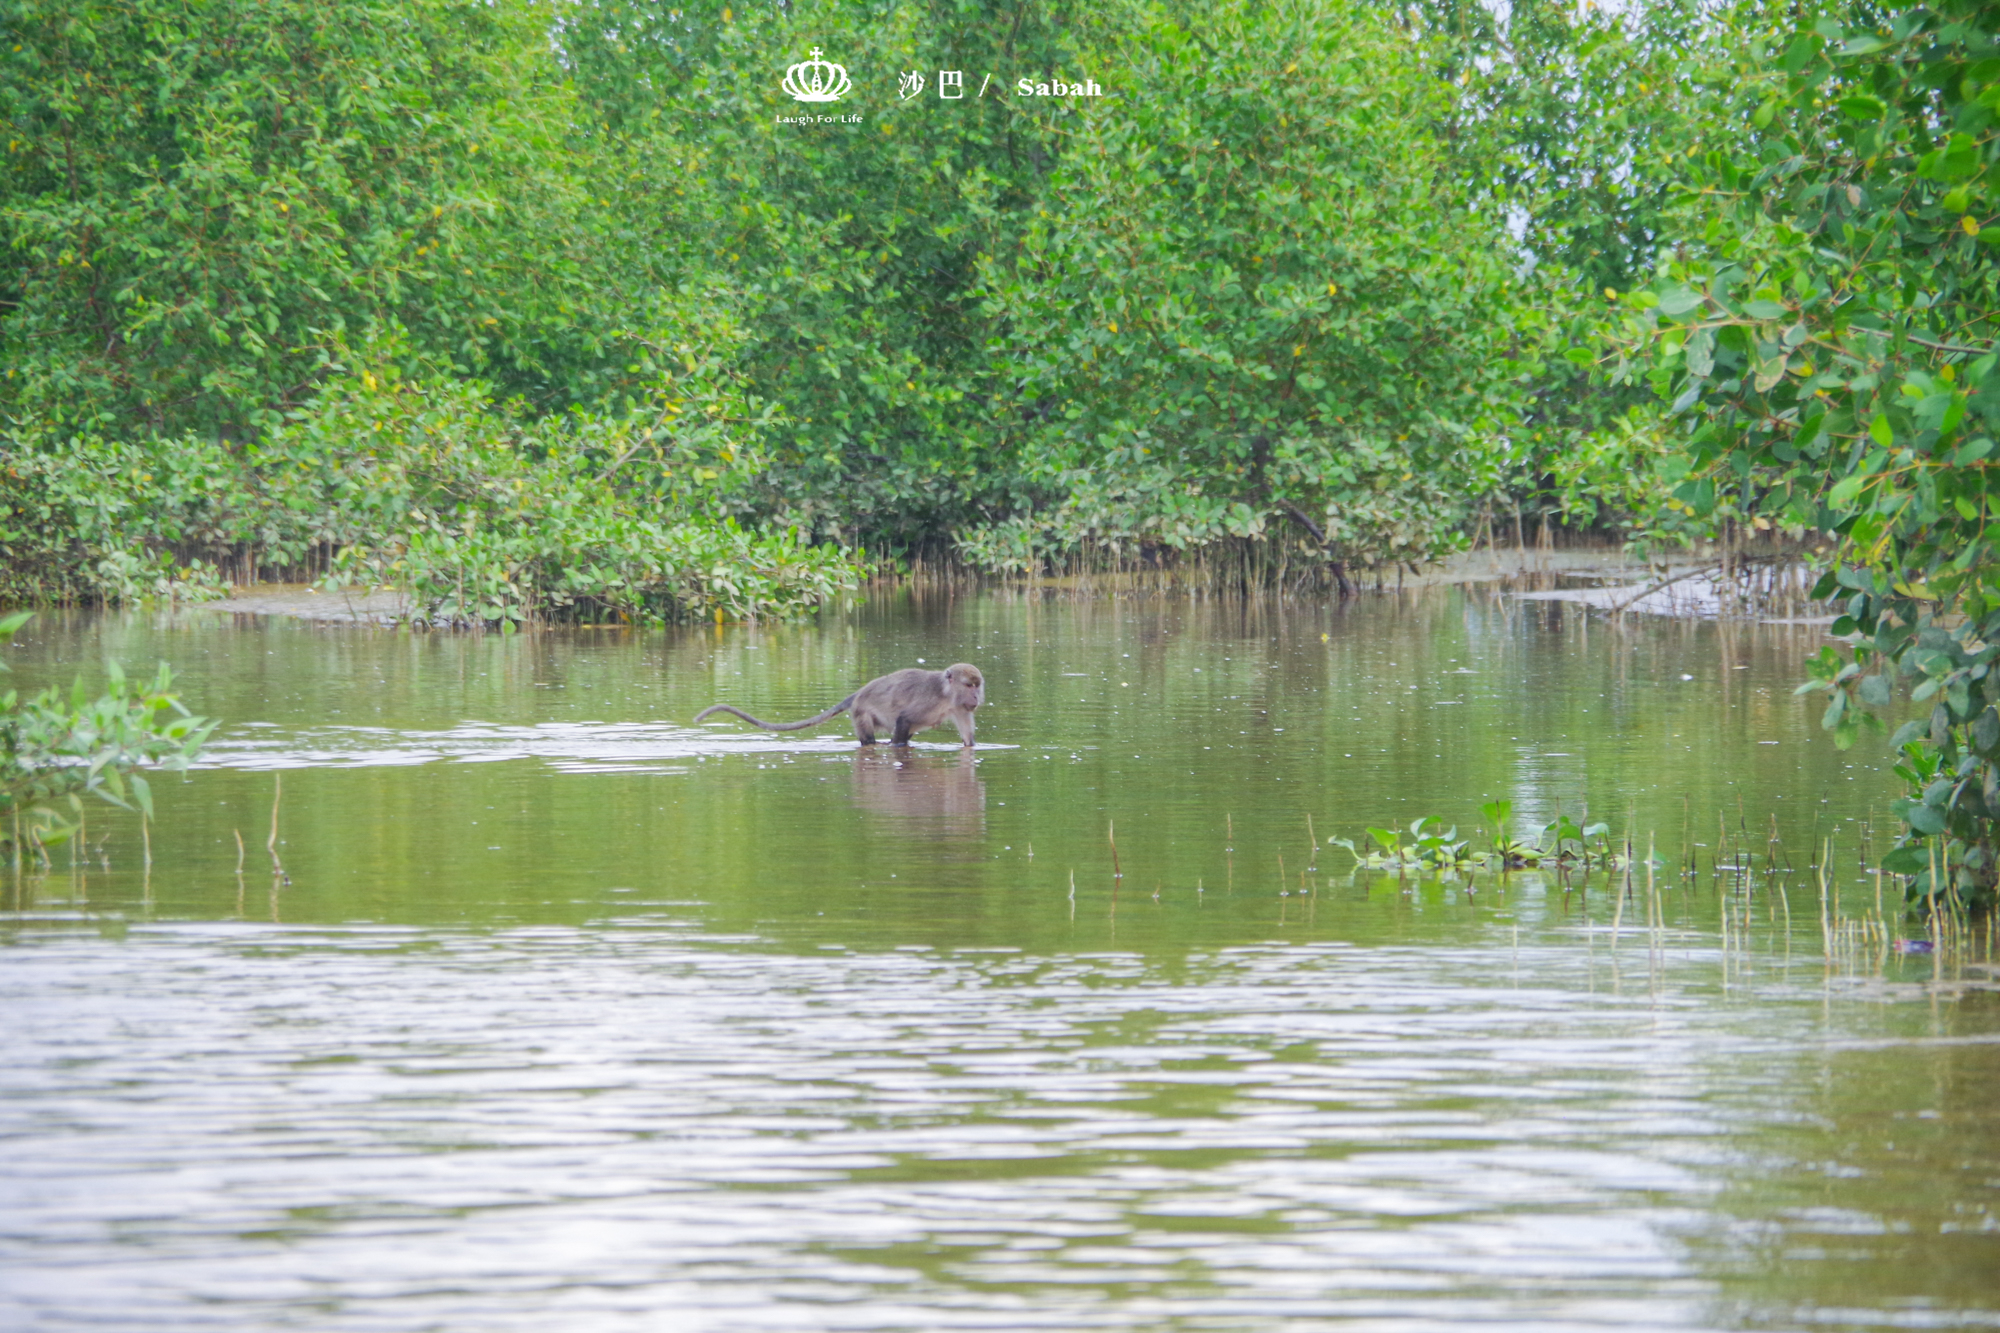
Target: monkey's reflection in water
{"type": "Point", "coordinates": [940, 796]}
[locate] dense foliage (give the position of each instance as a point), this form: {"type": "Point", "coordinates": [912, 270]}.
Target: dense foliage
{"type": "Point", "coordinates": [851, 251]}
{"type": "Point", "coordinates": [206, 203]}
{"type": "Point", "coordinates": [1823, 334]}
{"type": "Point", "coordinates": [1261, 296]}
{"type": "Point", "coordinates": [482, 515]}
{"type": "Point", "coordinates": [202, 198]}
{"type": "Point", "coordinates": [875, 327]}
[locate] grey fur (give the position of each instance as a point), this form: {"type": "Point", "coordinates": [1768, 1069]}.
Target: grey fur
{"type": "Point", "coordinates": [901, 703]}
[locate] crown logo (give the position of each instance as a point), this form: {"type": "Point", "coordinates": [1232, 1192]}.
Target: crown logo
{"type": "Point", "coordinates": [816, 80]}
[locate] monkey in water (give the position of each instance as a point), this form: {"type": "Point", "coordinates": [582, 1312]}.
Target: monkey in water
{"type": "Point", "coordinates": [901, 703]}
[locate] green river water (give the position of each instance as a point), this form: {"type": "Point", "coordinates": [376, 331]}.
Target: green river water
{"type": "Point", "coordinates": [565, 1014]}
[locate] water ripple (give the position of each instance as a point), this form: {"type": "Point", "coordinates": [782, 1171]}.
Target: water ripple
{"type": "Point", "coordinates": [365, 1129]}
{"type": "Point", "coordinates": [570, 747]}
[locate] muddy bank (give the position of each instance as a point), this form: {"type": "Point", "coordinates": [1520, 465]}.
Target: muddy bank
{"type": "Point", "coordinates": [302, 601]}
{"type": "Point", "coordinates": [1607, 579]}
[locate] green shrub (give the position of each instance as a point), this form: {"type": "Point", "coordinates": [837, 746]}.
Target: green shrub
{"type": "Point", "coordinates": [483, 515]}
{"type": "Point", "coordinates": [56, 751]}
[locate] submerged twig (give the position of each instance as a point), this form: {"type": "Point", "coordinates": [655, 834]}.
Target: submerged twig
{"type": "Point", "coordinates": [271, 844]}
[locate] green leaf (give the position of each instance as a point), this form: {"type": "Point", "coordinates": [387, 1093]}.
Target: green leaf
{"type": "Point", "coordinates": [1909, 859]}
{"type": "Point", "coordinates": [1862, 107]}
{"type": "Point", "coordinates": [1881, 431]}
{"type": "Point", "coordinates": [1701, 352]}
{"type": "Point", "coordinates": [1801, 52]}
{"type": "Point", "coordinates": [1926, 819]}
{"type": "Point", "coordinates": [1698, 495]}
{"type": "Point", "coordinates": [1679, 300]}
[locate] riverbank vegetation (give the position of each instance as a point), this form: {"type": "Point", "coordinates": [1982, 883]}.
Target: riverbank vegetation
{"type": "Point", "coordinates": [541, 310]}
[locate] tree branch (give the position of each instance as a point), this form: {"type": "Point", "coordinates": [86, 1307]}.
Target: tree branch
{"type": "Point", "coordinates": [1744, 560]}
{"type": "Point", "coordinates": [1663, 583]}
{"type": "Point", "coordinates": [1337, 565]}
{"type": "Point", "coordinates": [1946, 347]}
{"type": "Point", "coordinates": [1310, 526]}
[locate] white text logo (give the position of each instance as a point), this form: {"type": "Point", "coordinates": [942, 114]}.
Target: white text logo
{"type": "Point", "coordinates": [816, 80]}
{"type": "Point", "coordinates": [1057, 88]}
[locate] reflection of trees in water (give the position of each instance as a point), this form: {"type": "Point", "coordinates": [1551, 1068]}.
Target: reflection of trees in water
{"type": "Point", "coordinates": [941, 795]}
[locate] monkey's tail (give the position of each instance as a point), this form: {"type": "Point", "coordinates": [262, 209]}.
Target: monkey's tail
{"type": "Point", "coordinates": [840, 707]}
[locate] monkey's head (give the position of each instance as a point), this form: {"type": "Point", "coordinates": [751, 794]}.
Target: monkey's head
{"type": "Point", "coordinates": [964, 686]}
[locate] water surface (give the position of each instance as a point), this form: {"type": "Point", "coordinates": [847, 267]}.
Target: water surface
{"type": "Point", "coordinates": [561, 1011]}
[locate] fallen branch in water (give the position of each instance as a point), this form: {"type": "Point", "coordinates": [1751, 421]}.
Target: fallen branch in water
{"type": "Point", "coordinates": [1663, 584]}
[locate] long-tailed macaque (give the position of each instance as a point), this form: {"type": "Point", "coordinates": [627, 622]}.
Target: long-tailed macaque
{"type": "Point", "coordinates": [901, 703]}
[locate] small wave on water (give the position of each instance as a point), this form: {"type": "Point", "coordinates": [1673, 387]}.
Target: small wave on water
{"type": "Point", "coordinates": [569, 747]}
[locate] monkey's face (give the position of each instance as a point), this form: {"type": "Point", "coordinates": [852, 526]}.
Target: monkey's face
{"type": "Point", "coordinates": [965, 685]}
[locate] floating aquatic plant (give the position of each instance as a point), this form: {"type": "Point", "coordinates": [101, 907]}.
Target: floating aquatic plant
{"type": "Point", "coordinates": [1429, 846]}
